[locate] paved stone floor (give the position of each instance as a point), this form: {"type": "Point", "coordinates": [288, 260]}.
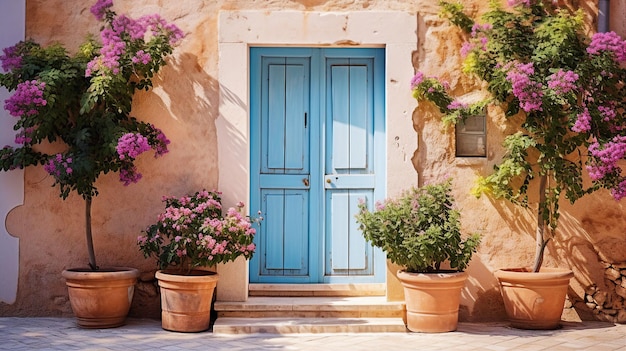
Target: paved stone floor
{"type": "Point", "coordinates": [142, 334]}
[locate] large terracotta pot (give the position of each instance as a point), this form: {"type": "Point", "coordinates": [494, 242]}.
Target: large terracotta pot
{"type": "Point", "coordinates": [534, 300]}
{"type": "Point", "coordinates": [101, 299]}
{"type": "Point", "coordinates": [186, 300]}
{"type": "Point", "coordinates": [432, 300]}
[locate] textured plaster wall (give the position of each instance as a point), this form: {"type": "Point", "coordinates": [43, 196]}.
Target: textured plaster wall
{"type": "Point", "coordinates": [186, 105]}
{"type": "Point", "coordinates": [590, 234]}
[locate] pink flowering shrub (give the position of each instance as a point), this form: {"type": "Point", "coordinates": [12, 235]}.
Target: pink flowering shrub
{"type": "Point", "coordinates": [83, 102]}
{"type": "Point", "coordinates": [566, 89]}
{"type": "Point", "coordinates": [192, 232]}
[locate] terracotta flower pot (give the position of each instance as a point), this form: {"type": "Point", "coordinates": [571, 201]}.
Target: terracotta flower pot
{"type": "Point", "coordinates": [101, 299]}
{"type": "Point", "coordinates": [432, 300]}
{"type": "Point", "coordinates": [534, 300]}
{"type": "Point", "coordinates": [186, 300]}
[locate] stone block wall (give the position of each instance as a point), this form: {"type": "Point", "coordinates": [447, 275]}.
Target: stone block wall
{"type": "Point", "coordinates": [608, 303]}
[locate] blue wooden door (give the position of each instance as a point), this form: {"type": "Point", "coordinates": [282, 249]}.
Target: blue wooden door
{"type": "Point", "coordinates": [317, 149]}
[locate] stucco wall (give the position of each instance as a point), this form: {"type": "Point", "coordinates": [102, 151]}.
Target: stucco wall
{"type": "Point", "coordinates": [186, 105]}
{"type": "Point", "coordinates": [590, 234]}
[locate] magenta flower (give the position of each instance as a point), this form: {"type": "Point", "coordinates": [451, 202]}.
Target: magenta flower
{"type": "Point", "coordinates": [135, 29]}
{"type": "Point", "coordinates": [25, 136]}
{"type": "Point", "coordinates": [608, 42]}
{"type": "Point", "coordinates": [456, 104]}
{"type": "Point", "coordinates": [527, 91]}
{"type": "Point", "coordinates": [619, 192]}
{"type": "Point", "coordinates": [28, 96]}
{"type": "Point", "coordinates": [608, 112]}
{"type": "Point", "coordinates": [562, 82]}
{"type": "Point", "coordinates": [417, 79]}
{"type": "Point", "coordinates": [514, 3]}
{"type": "Point", "coordinates": [477, 27]}
{"type": "Point", "coordinates": [142, 239]}
{"type": "Point", "coordinates": [158, 25]}
{"type": "Point", "coordinates": [605, 157]}
{"type": "Point", "coordinates": [161, 146]}
{"type": "Point", "coordinates": [141, 57]}
{"type": "Point", "coordinates": [113, 47]}
{"type": "Point", "coordinates": [59, 166]}
{"type": "Point", "coordinates": [100, 7]}
{"type": "Point", "coordinates": [466, 48]}
{"type": "Point", "coordinates": [11, 58]}
{"type": "Point", "coordinates": [131, 145]}
{"type": "Point", "coordinates": [583, 122]}
{"type": "Point", "coordinates": [129, 175]}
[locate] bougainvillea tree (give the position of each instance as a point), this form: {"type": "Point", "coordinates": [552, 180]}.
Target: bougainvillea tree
{"type": "Point", "coordinates": [82, 102]}
{"type": "Point", "coordinates": [567, 92]}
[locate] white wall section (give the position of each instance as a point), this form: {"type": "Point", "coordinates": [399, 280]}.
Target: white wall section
{"type": "Point", "coordinates": [12, 30]}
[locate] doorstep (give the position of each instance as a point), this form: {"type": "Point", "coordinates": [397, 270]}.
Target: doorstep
{"type": "Point", "coordinates": [228, 325]}
{"type": "Point", "coordinates": [321, 314]}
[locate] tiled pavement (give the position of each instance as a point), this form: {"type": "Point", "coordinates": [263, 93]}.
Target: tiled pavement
{"type": "Point", "coordinates": [142, 334]}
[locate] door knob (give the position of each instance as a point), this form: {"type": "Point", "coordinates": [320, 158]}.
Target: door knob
{"type": "Point", "coordinates": [328, 181]}
{"type": "Point", "coordinates": [305, 181]}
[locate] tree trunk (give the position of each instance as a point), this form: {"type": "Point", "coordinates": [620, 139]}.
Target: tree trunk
{"type": "Point", "coordinates": [539, 234]}
{"type": "Point", "coordinates": [92, 254]}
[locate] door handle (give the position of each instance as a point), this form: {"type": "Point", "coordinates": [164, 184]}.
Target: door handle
{"type": "Point", "coordinates": [305, 181]}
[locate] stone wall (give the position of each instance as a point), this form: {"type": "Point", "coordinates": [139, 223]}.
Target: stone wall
{"type": "Point", "coordinates": [185, 104]}
{"type": "Point", "coordinates": [608, 303]}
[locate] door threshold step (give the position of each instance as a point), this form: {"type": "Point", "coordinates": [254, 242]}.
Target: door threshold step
{"type": "Point", "coordinates": [317, 289]}
{"type": "Point", "coordinates": [307, 307]}
{"type": "Point", "coordinates": [228, 325]}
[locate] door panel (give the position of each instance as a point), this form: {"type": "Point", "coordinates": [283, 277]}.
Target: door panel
{"type": "Point", "coordinates": [286, 92]}
{"type": "Point", "coordinates": [349, 115]}
{"type": "Point", "coordinates": [349, 172]}
{"type": "Point", "coordinates": [281, 160]}
{"type": "Point", "coordinates": [317, 149]}
{"type": "Point", "coordinates": [288, 252]}
{"type": "Point", "coordinates": [347, 252]}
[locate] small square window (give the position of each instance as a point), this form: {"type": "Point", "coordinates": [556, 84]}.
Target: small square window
{"type": "Point", "coordinates": [471, 137]}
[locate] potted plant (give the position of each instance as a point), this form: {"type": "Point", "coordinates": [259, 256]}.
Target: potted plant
{"type": "Point", "coordinates": [421, 231]}
{"type": "Point", "coordinates": [189, 236]}
{"type": "Point", "coordinates": [73, 117]}
{"type": "Point", "coordinates": [564, 94]}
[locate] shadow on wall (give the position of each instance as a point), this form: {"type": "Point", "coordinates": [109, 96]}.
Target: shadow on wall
{"type": "Point", "coordinates": [482, 290]}
{"type": "Point", "coordinates": [191, 97]}
{"type": "Point", "coordinates": [233, 126]}
{"type": "Point", "coordinates": [594, 244]}
{"type": "Point", "coordinates": [308, 4]}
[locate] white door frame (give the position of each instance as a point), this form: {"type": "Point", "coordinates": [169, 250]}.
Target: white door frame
{"type": "Point", "coordinates": [238, 30]}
